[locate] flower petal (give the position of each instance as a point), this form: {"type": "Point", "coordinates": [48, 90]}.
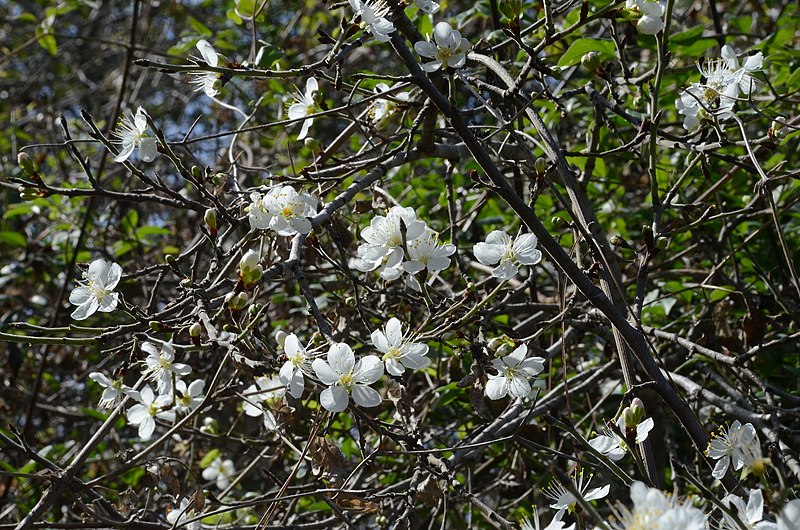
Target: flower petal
{"type": "Point", "coordinates": [366, 396]}
{"type": "Point", "coordinates": [334, 399]}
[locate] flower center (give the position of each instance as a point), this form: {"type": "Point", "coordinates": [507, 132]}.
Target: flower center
{"type": "Point", "coordinates": [443, 54]}
{"type": "Point", "coordinates": [393, 353]}
{"type": "Point", "coordinates": [346, 381]}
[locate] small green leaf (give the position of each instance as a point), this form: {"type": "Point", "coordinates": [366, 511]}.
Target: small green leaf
{"type": "Point", "coordinates": [46, 40]}
{"type": "Point", "coordinates": [246, 8]}
{"type": "Point", "coordinates": [580, 47]}
{"type": "Point", "coordinates": [14, 239]}
{"type": "Point", "coordinates": [210, 457]}
{"type": "Point", "coordinates": [268, 55]}
{"type": "Point", "coordinates": [234, 17]}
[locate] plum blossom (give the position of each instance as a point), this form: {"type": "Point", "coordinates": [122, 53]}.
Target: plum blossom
{"type": "Point", "coordinates": [611, 444]}
{"type": "Point", "coordinates": [382, 109]}
{"type": "Point", "coordinates": [647, 14]}
{"type": "Point", "coordinates": [113, 390]}
{"type": "Point", "coordinates": [345, 376]}
{"type": "Point", "coordinates": [513, 372]}
{"type": "Point", "coordinates": [188, 397]}
{"type": "Point", "coordinates": [208, 82]}
{"type": "Point", "coordinates": [161, 366]}
{"type": "Point", "coordinates": [751, 514]}
{"type": "Point", "coordinates": [283, 210]}
{"type": "Point", "coordinates": [304, 106]}
{"type": "Point", "coordinates": [259, 396]}
{"type": "Point", "coordinates": [429, 7]}
{"type": "Point", "coordinates": [178, 516]}
{"type": "Point", "coordinates": [372, 13]}
{"type": "Point", "coordinates": [448, 48]}
{"type": "Point", "coordinates": [398, 351]}
{"type": "Point", "coordinates": [654, 510]}
{"type": "Point", "coordinates": [738, 445]}
{"type": "Point", "coordinates": [742, 76]}
{"type": "Point", "coordinates": [132, 132]}
{"type": "Point", "coordinates": [292, 371]}
{"type": "Point", "coordinates": [94, 292]}
{"type": "Point", "coordinates": [563, 498]}
{"type": "Point", "coordinates": [509, 253]}
{"type": "Point", "coordinates": [220, 471]}
{"type": "Point", "coordinates": [148, 408]}
{"type": "Point", "coordinates": [425, 252]}
{"type": "Point", "coordinates": [384, 240]}
{"type": "Point", "coordinates": [555, 524]}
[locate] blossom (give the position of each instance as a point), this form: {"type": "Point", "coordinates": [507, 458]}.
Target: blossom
{"type": "Point", "coordinates": [178, 515]}
{"type": "Point", "coordinates": [384, 238]}
{"type": "Point", "coordinates": [221, 471]}
{"type": "Point", "coordinates": [448, 48]}
{"type": "Point", "coordinates": [382, 109]}
{"type": "Point", "coordinates": [563, 498]}
{"type": "Point", "coordinates": [648, 13]}
{"type": "Point", "coordinates": [613, 445]}
{"type": "Point", "coordinates": [258, 396]}
{"type": "Point", "coordinates": [94, 293]}
{"type": "Point", "coordinates": [113, 390]}
{"type": "Point", "coordinates": [208, 82]}
{"type": "Point", "coordinates": [738, 444]}
{"type": "Point", "coordinates": [250, 267]}
{"type": "Point", "coordinates": [145, 412]}
{"type": "Point", "coordinates": [654, 510]}
{"type": "Point", "coordinates": [555, 524]}
{"type": "Point", "coordinates": [188, 397]}
{"type": "Point", "coordinates": [283, 210]}
{"type": "Point", "coordinates": [508, 252]}
{"type": "Point", "coordinates": [399, 352]}
{"type": "Point", "coordinates": [304, 105]}
{"type": "Point", "coordinates": [426, 253]}
{"type": "Point", "coordinates": [132, 133]}
{"type": "Point", "coordinates": [292, 371]}
{"type": "Point", "coordinates": [345, 376]}
{"type": "Point", "coordinates": [789, 518]}
{"type": "Point", "coordinates": [161, 367]}
{"type": "Point", "coordinates": [371, 13]}
{"type": "Point", "coordinates": [742, 76]}
{"type": "Point", "coordinates": [514, 370]}
{"type": "Point", "coordinates": [750, 514]}
{"type": "Point", "coordinates": [429, 7]}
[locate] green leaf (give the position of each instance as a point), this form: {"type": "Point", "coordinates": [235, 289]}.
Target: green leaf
{"type": "Point", "coordinates": [46, 40]}
{"type": "Point", "coordinates": [210, 457]}
{"type": "Point", "coordinates": [14, 239]}
{"type": "Point", "coordinates": [605, 48]}
{"type": "Point", "coordinates": [234, 17]}
{"type": "Point", "coordinates": [245, 8]}
{"type": "Point", "coordinates": [268, 55]}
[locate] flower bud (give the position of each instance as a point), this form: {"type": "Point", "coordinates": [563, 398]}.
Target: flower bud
{"type": "Point", "coordinates": [186, 283]}
{"type": "Point", "coordinates": [249, 267]}
{"type": "Point", "coordinates": [197, 172]}
{"type": "Point", "coordinates": [236, 301]}
{"type": "Point", "coordinates": [558, 221]}
{"type": "Point", "coordinates": [634, 414]}
{"type": "Point", "coordinates": [27, 164]}
{"type": "Point", "coordinates": [280, 337]}
{"type": "Point", "coordinates": [661, 243]}
{"type": "Point", "coordinates": [776, 128]}
{"type": "Point", "coordinates": [210, 218]}
{"type": "Point", "coordinates": [540, 166]}
{"type": "Point", "coordinates": [312, 143]}
{"type": "Point", "coordinates": [219, 179]}
{"type": "Point", "coordinates": [591, 61]}
{"type": "Point", "coordinates": [28, 194]}
{"type": "Point", "coordinates": [195, 330]}
{"type": "Point", "coordinates": [254, 309]}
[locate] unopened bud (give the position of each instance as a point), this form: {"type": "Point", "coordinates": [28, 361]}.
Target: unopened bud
{"type": "Point", "coordinates": [776, 128]}
{"type": "Point", "coordinates": [236, 301]}
{"type": "Point", "coordinates": [197, 172]}
{"type": "Point", "coordinates": [312, 143]}
{"type": "Point", "coordinates": [558, 221]}
{"type": "Point", "coordinates": [28, 194]}
{"type": "Point", "coordinates": [186, 283]}
{"type": "Point", "coordinates": [540, 165]}
{"type": "Point", "coordinates": [634, 414]}
{"type": "Point", "coordinates": [617, 241]}
{"type": "Point", "coordinates": [591, 61]}
{"type": "Point", "coordinates": [661, 243]}
{"type": "Point", "coordinates": [27, 164]}
{"type": "Point", "coordinates": [195, 330]}
{"type": "Point", "coordinates": [219, 179]}
{"type": "Point", "coordinates": [254, 309]}
{"type": "Point", "coordinates": [210, 218]}
{"type": "Point", "coordinates": [249, 267]}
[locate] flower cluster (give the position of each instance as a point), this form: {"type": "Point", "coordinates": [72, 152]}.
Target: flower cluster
{"type": "Point", "coordinates": [388, 238]}
{"type": "Point", "coordinates": [655, 510]}
{"type": "Point", "coordinates": [372, 14]}
{"type": "Point", "coordinates": [283, 210]}
{"type": "Point", "coordinates": [507, 253]}
{"type": "Point", "coordinates": [716, 96]}
{"type": "Point", "coordinates": [95, 292]}
{"type": "Point", "coordinates": [629, 427]}
{"type": "Point", "coordinates": [647, 14]}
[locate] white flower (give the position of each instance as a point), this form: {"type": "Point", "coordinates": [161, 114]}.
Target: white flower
{"type": "Point", "coordinates": [429, 7]}
{"type": "Point", "coordinates": [789, 518]}
{"type": "Point", "coordinates": [114, 390]}
{"type": "Point", "coordinates": [346, 376]}
{"type": "Point", "coordinates": [292, 371]}
{"type": "Point", "coordinates": [250, 268]}
{"type": "Point", "coordinates": [189, 397]}
{"type": "Point", "coordinates": [283, 210]}
{"type": "Point", "coordinates": [448, 48]}
{"type": "Point", "coordinates": [742, 76]}
{"type": "Point", "coordinates": [564, 499]}
{"type": "Point", "coordinates": [131, 133]}
{"type": "Point", "coordinates": [613, 445]}
{"type": "Point", "coordinates": [304, 106]}
{"type": "Point", "coordinates": [372, 14]}
{"type": "Point", "coordinates": [649, 13]}
{"type": "Point", "coordinates": [555, 524]}
{"type": "Point", "coordinates": [399, 352]}
{"type": "Point", "coordinates": [94, 293]}
{"type": "Point", "coordinates": [426, 253]}
{"type": "Point", "coordinates": [382, 109]}
{"type": "Point", "coordinates": [750, 514]}
{"type": "Point", "coordinates": [178, 515]}
{"type": "Point", "coordinates": [384, 238]}
{"type": "Point", "coordinates": [145, 412]}
{"type": "Point", "coordinates": [161, 367]}
{"type": "Point", "coordinates": [259, 397]}
{"type": "Point", "coordinates": [514, 370]}
{"type": "Point", "coordinates": [221, 471]}
{"type": "Point", "coordinates": [738, 444]}
{"type": "Point", "coordinates": [654, 510]}
{"type": "Point", "coordinates": [208, 82]}
{"type": "Point", "coordinates": [499, 247]}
